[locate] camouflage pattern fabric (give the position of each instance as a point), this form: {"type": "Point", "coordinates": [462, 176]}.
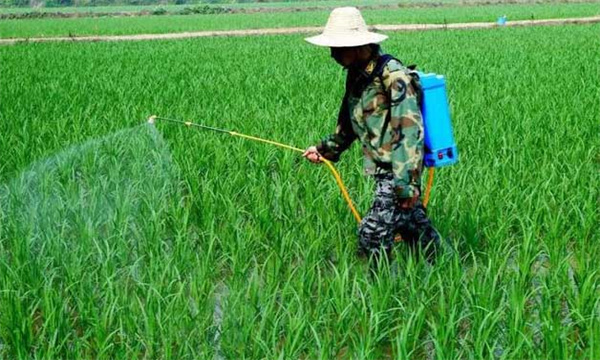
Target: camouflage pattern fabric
{"type": "Point", "coordinates": [385, 219]}
{"type": "Point", "coordinates": [384, 114]}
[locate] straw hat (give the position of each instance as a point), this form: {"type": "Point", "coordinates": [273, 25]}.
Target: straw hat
{"type": "Point", "coordinates": [346, 28]}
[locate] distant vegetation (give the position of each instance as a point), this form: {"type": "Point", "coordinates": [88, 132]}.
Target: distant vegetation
{"type": "Point", "coordinates": [60, 3]}
{"type": "Point", "coordinates": [105, 11]}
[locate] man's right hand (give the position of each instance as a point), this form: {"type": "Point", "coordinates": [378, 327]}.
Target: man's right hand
{"type": "Point", "coordinates": [312, 154]}
{"type": "Point", "coordinates": [409, 203]}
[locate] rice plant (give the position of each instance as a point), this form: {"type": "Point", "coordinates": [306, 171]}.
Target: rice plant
{"type": "Point", "coordinates": [126, 25]}
{"type": "Point", "coordinates": [120, 241]}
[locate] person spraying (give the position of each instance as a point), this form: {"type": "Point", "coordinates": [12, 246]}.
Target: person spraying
{"type": "Point", "coordinates": [381, 109]}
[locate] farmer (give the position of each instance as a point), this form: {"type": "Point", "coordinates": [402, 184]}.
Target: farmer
{"type": "Point", "coordinates": [381, 109]}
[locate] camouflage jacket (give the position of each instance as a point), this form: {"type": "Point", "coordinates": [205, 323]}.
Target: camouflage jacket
{"type": "Point", "coordinates": [387, 121]}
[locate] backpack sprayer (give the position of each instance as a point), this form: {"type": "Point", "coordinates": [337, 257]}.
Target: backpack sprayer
{"type": "Point", "coordinates": [440, 149]}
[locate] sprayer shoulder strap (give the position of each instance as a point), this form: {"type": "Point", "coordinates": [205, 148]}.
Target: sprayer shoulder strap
{"type": "Point", "coordinates": [414, 81]}
{"type": "Point", "coordinates": [410, 70]}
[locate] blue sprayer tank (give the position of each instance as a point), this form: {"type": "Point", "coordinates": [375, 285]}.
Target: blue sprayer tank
{"type": "Point", "coordinates": [440, 148]}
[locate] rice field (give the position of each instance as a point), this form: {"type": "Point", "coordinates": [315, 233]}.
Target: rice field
{"type": "Point", "coordinates": [119, 240]}
{"type": "Point", "coordinates": [272, 5]}
{"type": "Point", "coordinates": [177, 23]}
{"type": "Point", "coordinates": [236, 5]}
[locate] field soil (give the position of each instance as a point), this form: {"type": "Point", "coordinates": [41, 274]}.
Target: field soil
{"type": "Point", "coordinates": [311, 29]}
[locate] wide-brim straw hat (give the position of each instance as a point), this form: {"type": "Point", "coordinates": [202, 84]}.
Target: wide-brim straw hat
{"type": "Point", "coordinates": [346, 28]}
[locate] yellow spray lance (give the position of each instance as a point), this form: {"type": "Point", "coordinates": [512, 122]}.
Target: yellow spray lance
{"type": "Point", "coordinates": [328, 163]}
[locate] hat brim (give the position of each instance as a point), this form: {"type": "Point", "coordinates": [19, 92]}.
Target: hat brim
{"type": "Point", "coordinates": [344, 40]}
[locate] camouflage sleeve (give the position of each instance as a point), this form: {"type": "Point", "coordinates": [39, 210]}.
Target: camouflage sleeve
{"type": "Point", "coordinates": [406, 125]}
{"type": "Point", "coordinates": [332, 146]}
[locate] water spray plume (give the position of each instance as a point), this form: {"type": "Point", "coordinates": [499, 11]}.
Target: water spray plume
{"type": "Point", "coordinates": [328, 163]}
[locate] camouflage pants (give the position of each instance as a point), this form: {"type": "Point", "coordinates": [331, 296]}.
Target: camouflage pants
{"type": "Point", "coordinates": [385, 219]}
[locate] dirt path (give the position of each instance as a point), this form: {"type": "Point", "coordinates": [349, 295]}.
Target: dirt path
{"type": "Point", "coordinates": [297, 30]}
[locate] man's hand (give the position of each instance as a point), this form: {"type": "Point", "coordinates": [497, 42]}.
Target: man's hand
{"type": "Point", "coordinates": [312, 154]}
{"type": "Point", "coordinates": [409, 203]}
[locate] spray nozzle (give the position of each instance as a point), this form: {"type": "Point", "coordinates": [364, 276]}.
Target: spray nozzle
{"type": "Point", "coordinates": [152, 119]}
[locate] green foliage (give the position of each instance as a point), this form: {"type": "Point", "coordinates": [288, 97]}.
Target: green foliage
{"type": "Point", "coordinates": [60, 3]}
{"type": "Point", "coordinates": [159, 11]}
{"type": "Point", "coordinates": [204, 219]}
{"type": "Point", "coordinates": [218, 18]}
{"type": "Point", "coordinates": [203, 9]}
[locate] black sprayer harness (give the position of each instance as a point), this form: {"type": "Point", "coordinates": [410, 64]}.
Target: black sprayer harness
{"type": "Point", "coordinates": [377, 72]}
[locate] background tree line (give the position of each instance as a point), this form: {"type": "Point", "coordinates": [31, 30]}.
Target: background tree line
{"type": "Point", "coordinates": [58, 3]}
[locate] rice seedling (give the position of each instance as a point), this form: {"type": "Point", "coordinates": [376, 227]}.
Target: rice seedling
{"type": "Point", "coordinates": [118, 241]}
{"type": "Point", "coordinates": [175, 23]}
